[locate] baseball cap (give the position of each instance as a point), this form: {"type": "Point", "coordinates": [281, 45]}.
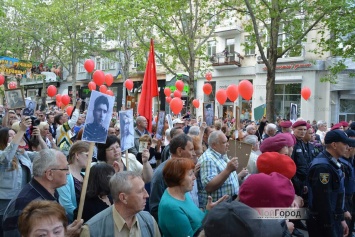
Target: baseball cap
{"type": "Point", "coordinates": [175, 121]}
{"type": "Point", "coordinates": [338, 136]}
{"type": "Point", "coordinates": [238, 220]}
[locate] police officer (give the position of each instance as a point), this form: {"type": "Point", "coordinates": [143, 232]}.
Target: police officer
{"type": "Point", "coordinates": [326, 188]}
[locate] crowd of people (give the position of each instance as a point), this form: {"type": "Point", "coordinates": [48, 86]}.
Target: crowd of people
{"type": "Point", "coordinates": [183, 184]}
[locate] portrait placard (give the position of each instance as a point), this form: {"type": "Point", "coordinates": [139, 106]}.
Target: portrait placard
{"type": "Point", "coordinates": [293, 112]}
{"type": "Point", "coordinates": [170, 121]}
{"type": "Point", "coordinates": [127, 129]}
{"type": "Point", "coordinates": [142, 146]}
{"type": "Point", "coordinates": [15, 98]}
{"type": "Point", "coordinates": [208, 113]}
{"type": "Point", "coordinates": [241, 150]}
{"type": "Point", "coordinates": [30, 107]}
{"type": "Point", "coordinates": [160, 125]}
{"type": "Point", "coordinates": [98, 117]}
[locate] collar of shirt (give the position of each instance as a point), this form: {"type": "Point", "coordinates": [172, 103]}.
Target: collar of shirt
{"type": "Point", "coordinates": [120, 222]}
{"type": "Point", "coordinates": [219, 155]}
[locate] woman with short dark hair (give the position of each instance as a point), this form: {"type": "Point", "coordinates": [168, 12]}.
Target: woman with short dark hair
{"type": "Point", "coordinates": [178, 214]}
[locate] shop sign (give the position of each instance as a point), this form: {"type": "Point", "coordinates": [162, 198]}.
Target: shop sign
{"type": "Point", "coordinates": [292, 66]}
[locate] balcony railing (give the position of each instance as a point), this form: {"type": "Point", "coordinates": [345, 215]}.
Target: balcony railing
{"type": "Point", "coordinates": [223, 59]}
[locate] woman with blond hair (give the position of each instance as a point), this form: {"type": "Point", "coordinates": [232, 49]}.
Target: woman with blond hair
{"type": "Point", "coordinates": [15, 162]}
{"type": "Point", "coordinates": [69, 194]}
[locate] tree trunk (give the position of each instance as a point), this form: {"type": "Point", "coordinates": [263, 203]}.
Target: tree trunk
{"type": "Point", "coordinates": [75, 64]}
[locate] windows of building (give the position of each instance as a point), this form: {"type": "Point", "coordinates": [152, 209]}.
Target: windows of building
{"type": "Point", "coordinates": [249, 48]}
{"type": "Point", "coordinates": [81, 68]}
{"type": "Point", "coordinates": [211, 48]}
{"type": "Point", "coordinates": [285, 94]}
{"type": "Point", "coordinates": [230, 44]}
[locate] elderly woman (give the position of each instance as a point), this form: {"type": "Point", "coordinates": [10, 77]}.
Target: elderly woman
{"type": "Point", "coordinates": [15, 162]}
{"type": "Point", "coordinates": [69, 194]}
{"type": "Point", "coordinates": [110, 153]}
{"type": "Point", "coordinates": [270, 130]}
{"type": "Point", "coordinates": [178, 215]}
{"type": "Point", "coordinates": [43, 218]}
{"type": "Point", "coordinates": [46, 135]}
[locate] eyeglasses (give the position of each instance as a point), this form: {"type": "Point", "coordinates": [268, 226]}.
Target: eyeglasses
{"type": "Point", "coordinates": [114, 148]}
{"type": "Point", "coordinates": [67, 169]}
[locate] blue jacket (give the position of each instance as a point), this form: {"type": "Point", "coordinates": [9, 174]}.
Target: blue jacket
{"type": "Point", "coordinates": [12, 180]}
{"type": "Point", "coordinates": [67, 197]}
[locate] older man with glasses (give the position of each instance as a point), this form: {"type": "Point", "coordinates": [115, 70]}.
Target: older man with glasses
{"type": "Point", "coordinates": [50, 170]}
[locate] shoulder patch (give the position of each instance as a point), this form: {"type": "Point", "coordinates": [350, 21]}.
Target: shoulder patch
{"type": "Point", "coordinates": [324, 178]}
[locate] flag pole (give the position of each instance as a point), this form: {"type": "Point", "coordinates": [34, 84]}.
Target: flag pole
{"type": "Point", "coordinates": [86, 180]}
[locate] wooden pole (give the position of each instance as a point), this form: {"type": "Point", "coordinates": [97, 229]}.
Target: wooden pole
{"type": "Point", "coordinates": [85, 183]}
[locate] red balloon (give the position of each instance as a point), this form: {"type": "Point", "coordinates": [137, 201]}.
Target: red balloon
{"type": "Point", "coordinates": [207, 88]}
{"type": "Point", "coordinates": [129, 84]}
{"type": "Point", "coordinates": [2, 79]}
{"type": "Point", "coordinates": [179, 85]}
{"type": "Point", "coordinates": [92, 86]}
{"type": "Point", "coordinates": [306, 93]}
{"type": "Point", "coordinates": [103, 89]}
{"type": "Point", "coordinates": [168, 99]}
{"type": "Point", "coordinates": [221, 96]}
{"type": "Point", "coordinates": [51, 90]}
{"type": "Point", "coordinates": [69, 110]}
{"type": "Point", "coordinates": [167, 91]}
{"type": "Point", "coordinates": [177, 93]}
{"type": "Point", "coordinates": [99, 77]}
{"type": "Point", "coordinates": [109, 79]}
{"type": "Point", "coordinates": [65, 99]}
{"type": "Point", "coordinates": [196, 103]}
{"type": "Point", "coordinates": [246, 89]}
{"type": "Point", "coordinates": [176, 105]}
{"type": "Point", "coordinates": [208, 76]}
{"type": "Point", "coordinates": [58, 98]}
{"type": "Point", "coordinates": [232, 92]}
{"type": "Point", "coordinates": [59, 104]}
{"type": "Point", "coordinates": [89, 65]}
{"type": "Point", "coordinates": [109, 92]}
{"type": "Point", "coordinates": [12, 85]}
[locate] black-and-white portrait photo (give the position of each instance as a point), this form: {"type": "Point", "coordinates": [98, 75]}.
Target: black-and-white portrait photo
{"type": "Point", "coordinates": [15, 99]}
{"type": "Point", "coordinates": [208, 113]}
{"type": "Point", "coordinates": [170, 121]}
{"type": "Point", "coordinates": [293, 112]}
{"type": "Point", "coordinates": [30, 107]}
{"type": "Point", "coordinates": [98, 117]}
{"type": "Point", "coordinates": [160, 125]}
{"type": "Point", "coordinates": [127, 129]}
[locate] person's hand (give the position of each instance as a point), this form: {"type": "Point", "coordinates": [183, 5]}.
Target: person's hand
{"type": "Point", "coordinates": [117, 166]}
{"type": "Point", "coordinates": [78, 103]}
{"type": "Point", "coordinates": [73, 230]}
{"type": "Point", "coordinates": [233, 164]}
{"type": "Point", "coordinates": [243, 173]}
{"type": "Point", "coordinates": [305, 189]}
{"type": "Point", "coordinates": [145, 156]}
{"type": "Point", "coordinates": [36, 131]}
{"type": "Point", "coordinates": [50, 137]}
{"type": "Point", "coordinates": [154, 142]}
{"type": "Point", "coordinates": [203, 127]}
{"type": "Point", "coordinates": [211, 204]}
{"type": "Point", "coordinates": [297, 202]}
{"type": "Point", "coordinates": [347, 215]}
{"type": "Point", "coordinates": [197, 169]}
{"type": "Point", "coordinates": [345, 228]}
{"type": "Point", "coordinates": [25, 123]}
{"type": "Point", "coordinates": [290, 226]}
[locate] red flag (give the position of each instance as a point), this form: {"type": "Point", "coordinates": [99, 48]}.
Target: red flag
{"type": "Point", "coordinates": [149, 88]}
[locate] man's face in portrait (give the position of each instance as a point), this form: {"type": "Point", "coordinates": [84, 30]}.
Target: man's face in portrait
{"type": "Point", "coordinates": [14, 97]}
{"type": "Point", "coordinates": [100, 113]}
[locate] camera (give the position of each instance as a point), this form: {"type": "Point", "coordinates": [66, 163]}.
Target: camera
{"type": "Point", "coordinates": [35, 121]}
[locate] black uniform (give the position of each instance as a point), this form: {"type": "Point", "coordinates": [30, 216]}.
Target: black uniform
{"type": "Point", "coordinates": [94, 133]}
{"type": "Point", "coordinates": [326, 197]}
{"type": "Point", "coordinates": [299, 155]}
